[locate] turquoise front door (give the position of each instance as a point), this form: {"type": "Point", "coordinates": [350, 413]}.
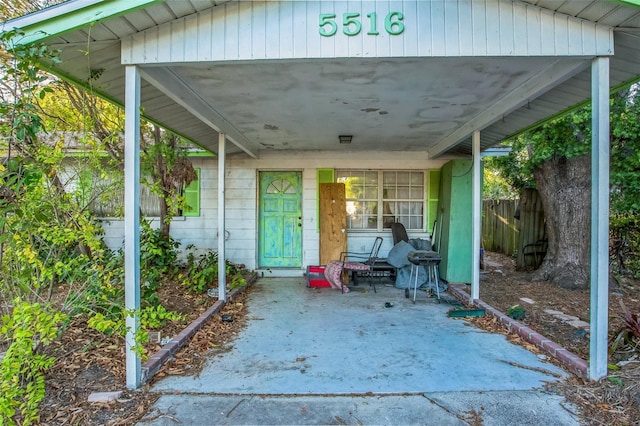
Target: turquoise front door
{"type": "Point", "coordinates": [280, 221]}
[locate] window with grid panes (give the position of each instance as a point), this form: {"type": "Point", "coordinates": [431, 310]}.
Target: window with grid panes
{"type": "Point", "coordinates": [376, 199]}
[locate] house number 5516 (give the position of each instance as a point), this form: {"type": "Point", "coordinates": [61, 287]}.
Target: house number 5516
{"type": "Point", "coordinates": [352, 24]}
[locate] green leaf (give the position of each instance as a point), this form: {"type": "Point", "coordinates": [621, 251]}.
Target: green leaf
{"type": "Point", "coordinates": [615, 380]}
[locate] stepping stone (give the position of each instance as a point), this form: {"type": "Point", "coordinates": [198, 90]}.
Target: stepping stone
{"type": "Point", "coordinates": [579, 324]}
{"type": "Point", "coordinates": [567, 318]}
{"type": "Point", "coordinates": [104, 396]}
{"type": "Point", "coordinates": [527, 300]}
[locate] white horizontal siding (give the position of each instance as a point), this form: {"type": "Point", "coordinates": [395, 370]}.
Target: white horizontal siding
{"type": "Point", "coordinates": [241, 219]}
{"type": "Point", "coordinates": [241, 203]}
{"type": "Point", "coordinates": [260, 30]}
{"type": "Point", "coordinates": [310, 236]}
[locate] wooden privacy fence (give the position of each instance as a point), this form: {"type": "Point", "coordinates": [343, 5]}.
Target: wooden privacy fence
{"type": "Point", "coordinates": [500, 229]}
{"type": "Point", "coordinates": [523, 238]}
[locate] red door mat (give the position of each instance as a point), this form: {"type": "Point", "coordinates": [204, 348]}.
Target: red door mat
{"type": "Point", "coordinates": [315, 277]}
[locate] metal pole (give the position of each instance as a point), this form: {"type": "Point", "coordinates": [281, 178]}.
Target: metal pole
{"type": "Point", "coordinates": [599, 217]}
{"type": "Point", "coordinates": [476, 214]}
{"type": "Point", "coordinates": [132, 221]}
{"type": "Point", "coordinates": [222, 266]}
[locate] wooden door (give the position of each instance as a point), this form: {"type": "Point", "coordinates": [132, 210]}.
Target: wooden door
{"type": "Point", "coordinates": [333, 221]}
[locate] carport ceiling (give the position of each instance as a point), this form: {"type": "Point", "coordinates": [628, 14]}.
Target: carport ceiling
{"type": "Point", "coordinates": [387, 105]}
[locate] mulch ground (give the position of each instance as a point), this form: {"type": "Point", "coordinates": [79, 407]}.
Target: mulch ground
{"type": "Point", "coordinates": [614, 400]}
{"type": "Point", "coordinates": [87, 361]}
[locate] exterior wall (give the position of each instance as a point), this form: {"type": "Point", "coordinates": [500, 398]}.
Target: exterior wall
{"type": "Point", "coordinates": [199, 231]}
{"type": "Point", "coordinates": [241, 203]}
{"type": "Point", "coordinates": [289, 29]}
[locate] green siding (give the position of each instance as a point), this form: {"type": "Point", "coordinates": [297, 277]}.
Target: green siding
{"type": "Point", "coordinates": [455, 205]}
{"type": "Point", "coordinates": [322, 176]}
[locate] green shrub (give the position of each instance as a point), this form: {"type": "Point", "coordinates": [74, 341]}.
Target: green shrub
{"type": "Point", "coordinates": [157, 316]}
{"type": "Point", "coordinates": [237, 280]}
{"type": "Point", "coordinates": [158, 251]}
{"type": "Point", "coordinates": [201, 273]}
{"type": "Point", "coordinates": [158, 260]}
{"type": "Point", "coordinates": [27, 329]}
{"type": "Point", "coordinates": [107, 325]}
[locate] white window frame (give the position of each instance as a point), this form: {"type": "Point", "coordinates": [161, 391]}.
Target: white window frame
{"type": "Point", "coordinates": [380, 199]}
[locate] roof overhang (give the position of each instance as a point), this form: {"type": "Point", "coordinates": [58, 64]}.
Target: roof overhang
{"type": "Point", "coordinates": [261, 72]}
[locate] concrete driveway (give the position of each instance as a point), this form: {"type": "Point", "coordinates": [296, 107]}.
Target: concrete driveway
{"type": "Point", "coordinates": [316, 356]}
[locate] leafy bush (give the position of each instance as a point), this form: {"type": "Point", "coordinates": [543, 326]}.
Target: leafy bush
{"type": "Point", "coordinates": [158, 251]}
{"type": "Point", "coordinates": [105, 293]}
{"type": "Point", "coordinates": [158, 260]}
{"type": "Point", "coordinates": [27, 329]}
{"type": "Point", "coordinates": [154, 317]}
{"type": "Point", "coordinates": [151, 317]}
{"type": "Point", "coordinates": [629, 333]}
{"type": "Point", "coordinates": [200, 274]}
{"type": "Point", "coordinates": [47, 239]}
{"type": "Point", "coordinates": [237, 279]}
{"type": "Point", "coordinates": [107, 325]}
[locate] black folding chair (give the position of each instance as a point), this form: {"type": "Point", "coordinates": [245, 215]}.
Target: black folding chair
{"type": "Point", "coordinates": [399, 233]}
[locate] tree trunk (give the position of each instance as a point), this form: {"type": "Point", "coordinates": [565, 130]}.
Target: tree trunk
{"type": "Point", "coordinates": [165, 223]}
{"type": "Point", "coordinates": [565, 188]}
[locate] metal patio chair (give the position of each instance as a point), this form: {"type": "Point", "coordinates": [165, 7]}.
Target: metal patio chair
{"type": "Point", "coordinates": [377, 266]}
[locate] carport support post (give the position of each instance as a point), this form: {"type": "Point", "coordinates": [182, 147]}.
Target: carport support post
{"type": "Point", "coordinates": [599, 217]}
{"type": "Point", "coordinates": [132, 222]}
{"type": "Point", "coordinates": [222, 265]}
{"type": "Point", "coordinates": [476, 215]}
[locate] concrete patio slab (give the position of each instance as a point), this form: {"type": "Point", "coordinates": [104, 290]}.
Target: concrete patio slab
{"type": "Point", "coordinates": [304, 410]}
{"type": "Point", "coordinates": [303, 340]}
{"type": "Point", "coordinates": [503, 408]}
{"type": "Point", "coordinates": [316, 356]}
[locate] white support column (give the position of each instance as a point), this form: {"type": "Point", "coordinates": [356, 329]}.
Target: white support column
{"type": "Point", "coordinates": [599, 217]}
{"type": "Point", "coordinates": [222, 266]}
{"type": "Point", "coordinates": [476, 226]}
{"type": "Point", "coordinates": [132, 221]}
